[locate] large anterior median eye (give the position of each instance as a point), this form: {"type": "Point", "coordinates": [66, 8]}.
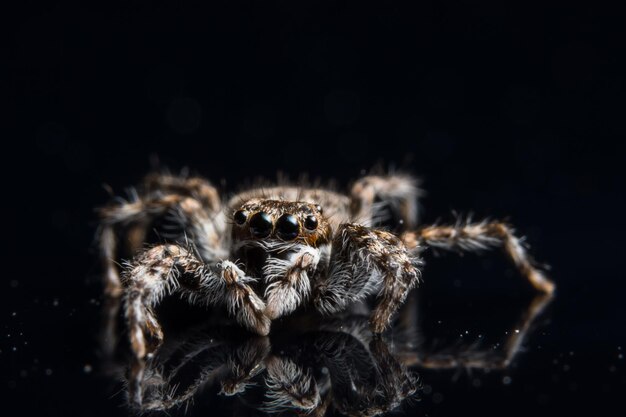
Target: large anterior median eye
{"type": "Point", "coordinates": [261, 225]}
{"type": "Point", "coordinates": [288, 227]}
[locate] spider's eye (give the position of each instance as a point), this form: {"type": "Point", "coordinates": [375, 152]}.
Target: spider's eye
{"type": "Point", "coordinates": [240, 217]}
{"type": "Point", "coordinates": [319, 208]}
{"type": "Point", "coordinates": [261, 225]}
{"type": "Point", "coordinates": [310, 222]}
{"type": "Point", "coordinates": [288, 227]}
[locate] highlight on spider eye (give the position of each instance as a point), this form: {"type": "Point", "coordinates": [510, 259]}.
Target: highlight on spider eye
{"type": "Point", "coordinates": [310, 222]}
{"type": "Point", "coordinates": [261, 224]}
{"type": "Point", "coordinates": [288, 227]}
{"type": "Point", "coordinates": [240, 217]}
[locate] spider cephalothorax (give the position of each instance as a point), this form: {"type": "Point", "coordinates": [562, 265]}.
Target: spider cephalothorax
{"type": "Point", "coordinates": [270, 251]}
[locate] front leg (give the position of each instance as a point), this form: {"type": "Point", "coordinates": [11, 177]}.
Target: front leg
{"type": "Point", "coordinates": [169, 269]}
{"type": "Point", "coordinates": [364, 261]}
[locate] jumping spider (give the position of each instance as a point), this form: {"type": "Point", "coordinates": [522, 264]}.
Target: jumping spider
{"type": "Point", "coordinates": [271, 250]}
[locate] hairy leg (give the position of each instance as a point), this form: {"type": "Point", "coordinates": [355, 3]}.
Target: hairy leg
{"type": "Point", "coordinates": [364, 261]}
{"type": "Point", "coordinates": [107, 241]}
{"type": "Point", "coordinates": [477, 356]}
{"type": "Point", "coordinates": [366, 378]}
{"type": "Point", "coordinates": [194, 216]}
{"type": "Point", "coordinates": [172, 380]}
{"type": "Point", "coordinates": [289, 280]}
{"type": "Point", "coordinates": [475, 237]}
{"type": "Point", "coordinates": [290, 387]}
{"type": "Point", "coordinates": [169, 269]}
{"type": "Point", "coordinates": [198, 188]}
{"type": "Point", "coordinates": [377, 198]}
{"type": "Point", "coordinates": [396, 381]}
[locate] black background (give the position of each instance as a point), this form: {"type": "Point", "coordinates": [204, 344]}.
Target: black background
{"type": "Point", "coordinates": [504, 110]}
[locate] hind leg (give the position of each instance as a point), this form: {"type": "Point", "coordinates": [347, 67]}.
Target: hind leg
{"type": "Point", "coordinates": [476, 237]}
{"type": "Point", "coordinates": [193, 202]}
{"type": "Point", "coordinates": [386, 201]}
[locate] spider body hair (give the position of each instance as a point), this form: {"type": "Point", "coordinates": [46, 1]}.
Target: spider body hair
{"type": "Point", "coordinates": [271, 250]}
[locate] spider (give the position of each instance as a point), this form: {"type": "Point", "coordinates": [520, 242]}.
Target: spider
{"type": "Point", "coordinates": [271, 250]}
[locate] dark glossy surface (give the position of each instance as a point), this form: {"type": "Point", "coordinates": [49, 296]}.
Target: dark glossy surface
{"type": "Point", "coordinates": [505, 110]}
{"type": "Point", "coordinates": [261, 225]}
{"type": "Point", "coordinates": [288, 227]}
{"type": "Point", "coordinates": [240, 217]}
{"type": "Point", "coordinates": [310, 222]}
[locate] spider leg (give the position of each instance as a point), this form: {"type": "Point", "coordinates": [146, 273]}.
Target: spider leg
{"type": "Point", "coordinates": [290, 387]}
{"type": "Point", "coordinates": [108, 244]}
{"type": "Point", "coordinates": [367, 379]}
{"type": "Point", "coordinates": [475, 237]}
{"type": "Point", "coordinates": [378, 199]}
{"type": "Point", "coordinates": [364, 261]}
{"type": "Point", "coordinates": [152, 384]}
{"type": "Point", "coordinates": [289, 280]}
{"type": "Point", "coordinates": [168, 269]}
{"type": "Point", "coordinates": [396, 382]}
{"type": "Point", "coordinates": [198, 188]}
{"type": "Point", "coordinates": [137, 216]}
{"type": "Point", "coordinates": [245, 361]}
{"type": "Point", "coordinates": [476, 356]}
{"type": "Point", "coordinates": [193, 214]}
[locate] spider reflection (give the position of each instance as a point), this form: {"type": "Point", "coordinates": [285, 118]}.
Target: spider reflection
{"type": "Point", "coordinates": [307, 367]}
{"type": "Point", "coordinates": [300, 372]}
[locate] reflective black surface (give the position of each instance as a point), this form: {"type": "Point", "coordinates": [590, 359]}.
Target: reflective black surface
{"type": "Point", "coordinates": [505, 110]}
{"type": "Point", "coordinates": [307, 365]}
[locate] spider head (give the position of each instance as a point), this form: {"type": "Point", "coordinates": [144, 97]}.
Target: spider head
{"type": "Point", "coordinates": [278, 220]}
